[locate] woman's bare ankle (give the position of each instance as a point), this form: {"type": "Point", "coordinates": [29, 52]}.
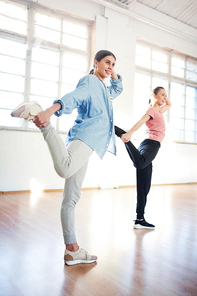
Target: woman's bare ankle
{"type": "Point", "coordinates": [72, 247]}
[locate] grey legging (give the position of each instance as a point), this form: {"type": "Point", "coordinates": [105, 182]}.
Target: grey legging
{"type": "Point", "coordinates": [71, 163]}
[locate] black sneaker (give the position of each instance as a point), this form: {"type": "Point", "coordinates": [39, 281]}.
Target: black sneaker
{"type": "Point", "coordinates": [143, 224]}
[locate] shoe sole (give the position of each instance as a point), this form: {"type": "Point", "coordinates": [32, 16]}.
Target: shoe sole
{"type": "Point", "coordinates": [21, 112]}
{"type": "Point", "coordinates": [142, 227]}
{"type": "Point", "coordinates": [78, 262]}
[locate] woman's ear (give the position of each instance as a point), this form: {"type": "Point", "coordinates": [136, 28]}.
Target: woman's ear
{"type": "Point", "coordinates": [95, 63]}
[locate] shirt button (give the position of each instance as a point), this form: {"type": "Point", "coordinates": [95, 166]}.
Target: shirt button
{"type": "Point", "coordinates": [110, 133]}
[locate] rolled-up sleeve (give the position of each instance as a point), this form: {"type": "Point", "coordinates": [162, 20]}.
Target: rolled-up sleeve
{"type": "Point", "coordinates": [75, 98]}
{"type": "Point", "coordinates": [94, 122]}
{"type": "Point", "coordinates": [116, 86]}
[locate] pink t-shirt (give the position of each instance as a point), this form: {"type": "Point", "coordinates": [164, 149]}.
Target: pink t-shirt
{"type": "Point", "coordinates": [156, 125]}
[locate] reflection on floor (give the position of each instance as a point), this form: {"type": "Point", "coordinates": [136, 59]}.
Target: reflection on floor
{"type": "Point", "coordinates": [130, 262]}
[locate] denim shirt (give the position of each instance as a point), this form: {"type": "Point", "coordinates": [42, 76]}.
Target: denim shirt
{"type": "Point", "coordinates": [94, 123]}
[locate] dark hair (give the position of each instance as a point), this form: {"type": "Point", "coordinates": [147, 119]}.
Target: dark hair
{"type": "Point", "coordinates": [100, 55]}
{"type": "Point", "coordinates": [155, 91]}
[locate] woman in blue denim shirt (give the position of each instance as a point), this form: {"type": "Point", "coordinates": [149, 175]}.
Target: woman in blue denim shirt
{"type": "Point", "coordinates": [93, 130]}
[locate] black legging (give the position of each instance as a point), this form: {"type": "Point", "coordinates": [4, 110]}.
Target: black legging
{"type": "Point", "coordinates": [142, 159]}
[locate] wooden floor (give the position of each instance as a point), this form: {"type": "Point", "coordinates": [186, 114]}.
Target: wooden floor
{"type": "Point", "coordinates": [130, 262]}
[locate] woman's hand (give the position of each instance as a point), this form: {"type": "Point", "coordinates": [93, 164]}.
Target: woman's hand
{"type": "Point", "coordinates": [168, 102]}
{"type": "Point", "coordinates": [42, 119]}
{"type": "Point", "coordinates": [126, 137]}
{"type": "Point", "coordinates": [167, 105]}
{"type": "Point", "coordinates": [114, 75]}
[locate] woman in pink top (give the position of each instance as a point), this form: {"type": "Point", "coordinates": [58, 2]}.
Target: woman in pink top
{"type": "Point", "coordinates": [143, 156]}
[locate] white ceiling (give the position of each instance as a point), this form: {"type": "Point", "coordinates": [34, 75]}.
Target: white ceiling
{"type": "Point", "coordinates": [184, 11]}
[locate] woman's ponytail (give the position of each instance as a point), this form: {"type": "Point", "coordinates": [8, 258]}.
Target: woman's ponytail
{"type": "Point", "coordinates": [150, 100]}
{"type": "Point", "coordinates": [91, 71]}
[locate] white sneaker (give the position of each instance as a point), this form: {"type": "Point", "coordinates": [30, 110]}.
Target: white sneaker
{"type": "Point", "coordinates": [27, 110]}
{"type": "Point", "coordinates": [80, 256]}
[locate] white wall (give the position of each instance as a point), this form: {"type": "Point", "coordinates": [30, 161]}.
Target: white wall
{"type": "Point", "coordinates": [24, 157]}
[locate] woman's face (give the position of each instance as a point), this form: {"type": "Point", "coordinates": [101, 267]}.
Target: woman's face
{"type": "Point", "coordinates": [160, 97]}
{"type": "Point", "coordinates": [105, 67]}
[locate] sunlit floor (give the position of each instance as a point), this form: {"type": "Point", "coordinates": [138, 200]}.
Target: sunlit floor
{"type": "Point", "coordinates": [130, 262]}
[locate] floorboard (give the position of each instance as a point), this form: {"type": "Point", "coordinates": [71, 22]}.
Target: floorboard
{"type": "Point", "coordinates": [160, 262]}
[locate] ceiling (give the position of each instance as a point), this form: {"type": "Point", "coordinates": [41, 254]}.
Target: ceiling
{"type": "Point", "coordinates": [184, 11]}
{"type": "Point", "coordinates": [181, 10]}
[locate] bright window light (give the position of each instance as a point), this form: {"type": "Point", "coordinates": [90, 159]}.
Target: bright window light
{"type": "Point", "coordinates": [12, 48]}
{"type": "Point", "coordinates": [46, 68]}
{"type": "Point", "coordinates": [191, 91]}
{"type": "Point", "coordinates": [160, 67]}
{"type": "Point", "coordinates": [177, 123]}
{"type": "Point", "coordinates": [12, 10]}
{"type": "Point", "coordinates": [71, 76]}
{"type": "Point", "coordinates": [11, 83]}
{"type": "Point", "coordinates": [143, 62]}
{"type": "Point", "coordinates": [191, 66]}
{"type": "Point", "coordinates": [159, 56]}
{"type": "Point", "coordinates": [177, 88]}
{"type": "Point", "coordinates": [45, 56]}
{"type": "Point", "coordinates": [141, 94]}
{"type": "Point", "coordinates": [47, 21]}
{"type": "Point", "coordinates": [177, 134]}
{"type": "Point", "coordinates": [74, 42]}
{"type": "Point", "coordinates": [175, 71]}
{"type": "Point", "coordinates": [10, 24]}
{"type": "Point", "coordinates": [6, 119]}
{"type": "Point", "coordinates": [191, 102]}
{"type": "Point", "coordinates": [67, 120]}
{"type": "Point", "coordinates": [74, 61]}
{"type": "Point", "coordinates": [74, 29]}
{"type": "Point", "coordinates": [9, 99]}
{"type": "Point", "coordinates": [46, 72]}
{"type": "Point", "coordinates": [44, 88]}
{"type": "Point", "coordinates": [190, 136]}
{"type": "Point", "coordinates": [12, 65]}
{"type": "Point", "coordinates": [190, 113]}
{"type": "Point", "coordinates": [190, 125]}
{"type": "Point", "coordinates": [191, 75]}
{"type": "Point", "coordinates": [177, 111]}
{"type": "Point", "coordinates": [157, 81]}
{"type": "Point", "coordinates": [47, 34]}
{"type": "Point", "coordinates": [66, 88]}
{"type": "Point", "coordinates": [143, 51]}
{"type": "Point", "coordinates": [177, 62]}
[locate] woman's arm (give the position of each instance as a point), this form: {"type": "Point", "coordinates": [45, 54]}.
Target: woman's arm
{"type": "Point", "coordinates": [66, 104]}
{"type": "Point", "coordinates": [43, 118]}
{"type": "Point", "coordinates": [127, 137]}
{"type": "Point", "coordinates": [166, 106]}
{"type": "Point", "coordinates": [116, 86]}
